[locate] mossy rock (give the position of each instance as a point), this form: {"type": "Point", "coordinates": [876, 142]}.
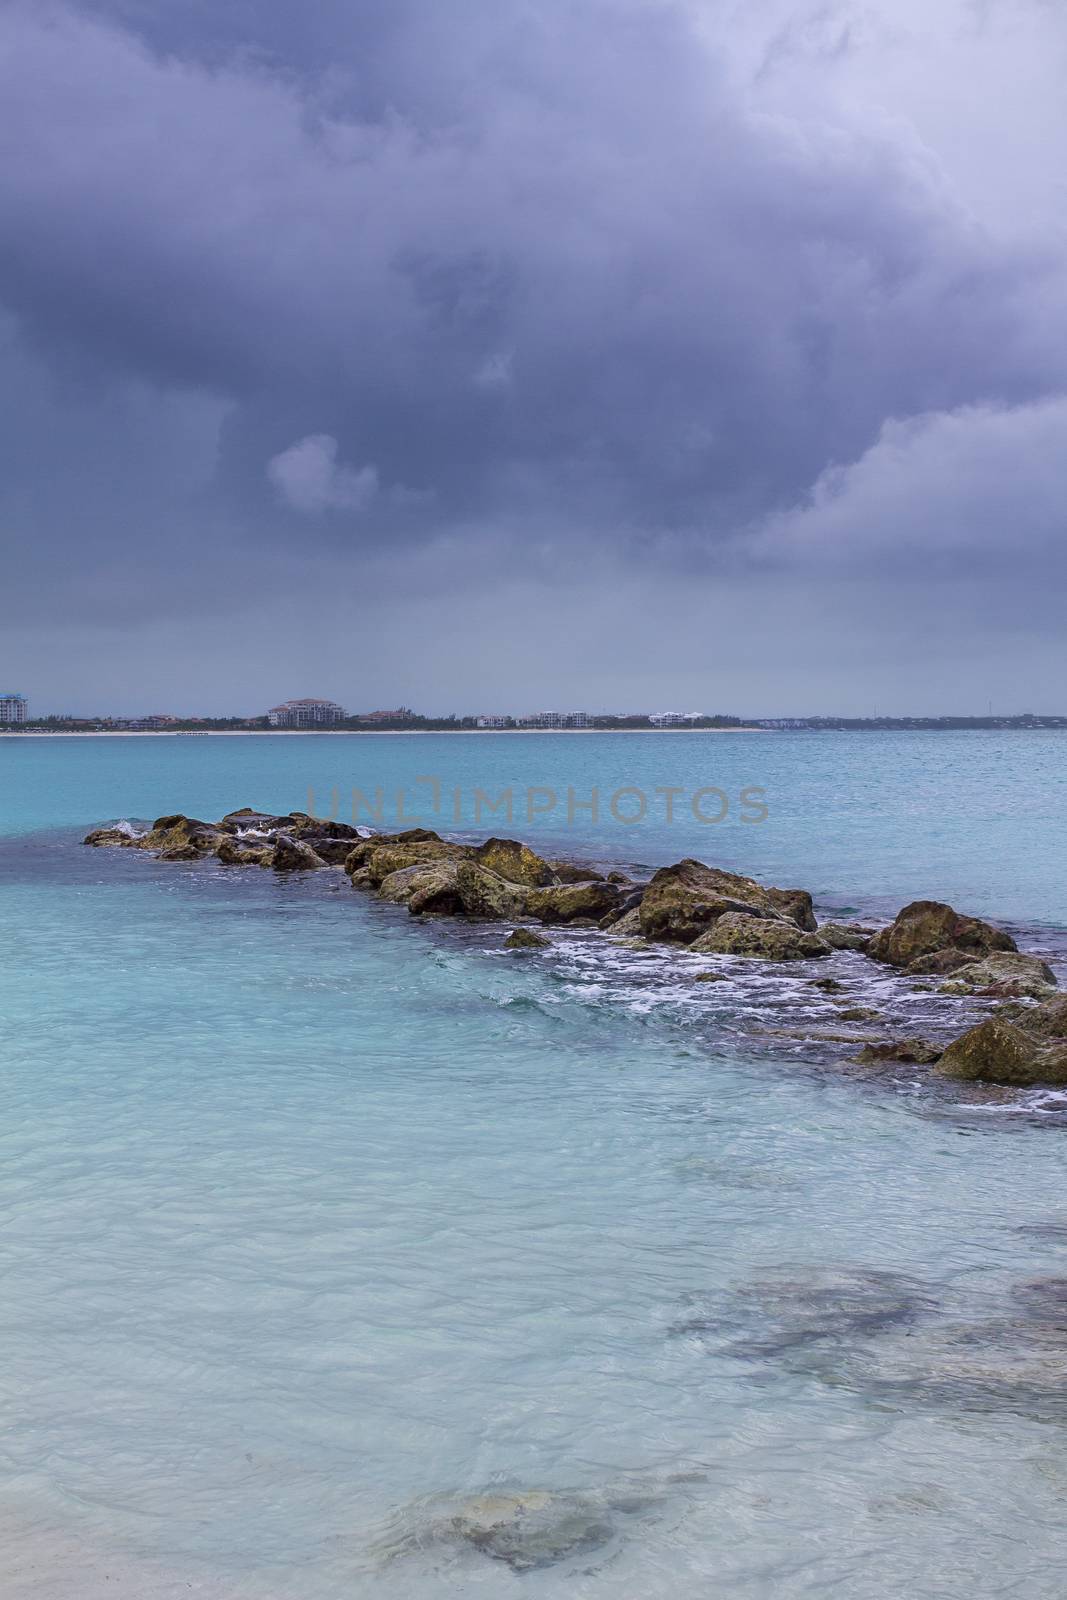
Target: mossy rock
{"type": "Point", "coordinates": [526, 939]}
{"type": "Point", "coordinates": [758, 937]}
{"type": "Point", "coordinates": [928, 927]}
{"type": "Point", "coordinates": [514, 861]}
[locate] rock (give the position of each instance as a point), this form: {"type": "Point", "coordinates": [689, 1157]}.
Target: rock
{"type": "Point", "coordinates": [293, 855]}
{"type": "Point", "coordinates": [301, 826]}
{"type": "Point", "coordinates": [513, 861]}
{"type": "Point", "coordinates": [529, 1530]}
{"type": "Point", "coordinates": [710, 977]}
{"type": "Point", "coordinates": [233, 852]}
{"type": "Point", "coordinates": [917, 1051]}
{"type": "Point", "coordinates": [857, 1014]}
{"type": "Point", "coordinates": [682, 901]}
{"type": "Point", "coordinates": [927, 926]}
{"type": "Point", "coordinates": [626, 924]}
{"type": "Point", "coordinates": [846, 935]}
{"type": "Point", "coordinates": [829, 985]}
{"type": "Point", "coordinates": [526, 939]}
{"type": "Point", "coordinates": [1049, 1021]}
{"type": "Point", "coordinates": [567, 902]}
{"type": "Point", "coordinates": [736, 934]}
{"type": "Point", "coordinates": [121, 837]}
{"type": "Point", "coordinates": [365, 847]}
{"type": "Point", "coordinates": [332, 848]}
{"type": "Point", "coordinates": [629, 900]}
{"type": "Point", "coordinates": [361, 878]}
{"type": "Point", "coordinates": [574, 872]}
{"type": "Point", "coordinates": [997, 1051]}
{"type": "Point", "coordinates": [427, 888]}
{"type": "Point", "coordinates": [249, 819]}
{"type": "Point", "coordinates": [178, 832]}
{"type": "Point", "coordinates": [1006, 975]}
{"type": "Point", "coordinates": [394, 857]}
{"type": "Point", "coordinates": [796, 905]}
{"type": "Point", "coordinates": [1013, 1365]}
{"type": "Point", "coordinates": [940, 962]}
{"type": "Point", "coordinates": [793, 1307]}
{"type": "Point", "coordinates": [485, 894]}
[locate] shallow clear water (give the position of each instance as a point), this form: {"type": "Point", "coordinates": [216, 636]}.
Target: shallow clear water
{"type": "Point", "coordinates": [312, 1216]}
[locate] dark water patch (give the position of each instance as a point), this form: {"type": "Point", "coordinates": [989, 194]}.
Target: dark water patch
{"type": "Point", "coordinates": [792, 1307]}
{"type": "Point", "coordinates": [1015, 1366]}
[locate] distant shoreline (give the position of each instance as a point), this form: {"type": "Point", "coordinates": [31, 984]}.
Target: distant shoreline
{"type": "Point", "coordinates": [336, 733]}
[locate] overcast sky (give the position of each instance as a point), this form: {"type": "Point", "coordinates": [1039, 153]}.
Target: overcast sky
{"type": "Point", "coordinates": [499, 354]}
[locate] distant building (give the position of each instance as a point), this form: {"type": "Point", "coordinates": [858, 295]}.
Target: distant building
{"type": "Point", "coordinates": [305, 714]}
{"type": "Point", "coordinates": [554, 719]}
{"type": "Point", "coordinates": [492, 722]}
{"type": "Point", "coordinates": [13, 708]}
{"type": "Point", "coordinates": [401, 714]}
{"type": "Point", "coordinates": [674, 719]}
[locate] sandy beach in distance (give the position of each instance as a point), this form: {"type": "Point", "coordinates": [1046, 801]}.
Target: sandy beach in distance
{"type": "Point", "coordinates": [334, 733]}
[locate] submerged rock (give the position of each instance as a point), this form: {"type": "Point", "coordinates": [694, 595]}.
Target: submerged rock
{"type": "Point", "coordinates": [738, 935]}
{"type": "Point", "coordinates": [790, 1307]}
{"type": "Point", "coordinates": [927, 927]}
{"type": "Point", "coordinates": [531, 1530]}
{"type": "Point", "coordinates": [1017, 1366]}
{"type": "Point", "coordinates": [526, 939]}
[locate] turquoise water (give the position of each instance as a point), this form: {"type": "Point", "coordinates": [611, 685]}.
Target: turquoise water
{"type": "Point", "coordinates": [312, 1216]}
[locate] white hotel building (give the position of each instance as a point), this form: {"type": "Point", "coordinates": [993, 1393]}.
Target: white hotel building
{"type": "Point", "coordinates": [306, 714]}
{"type": "Point", "coordinates": [13, 708]}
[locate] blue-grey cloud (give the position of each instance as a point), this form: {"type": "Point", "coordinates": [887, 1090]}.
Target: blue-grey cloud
{"type": "Point", "coordinates": [500, 280]}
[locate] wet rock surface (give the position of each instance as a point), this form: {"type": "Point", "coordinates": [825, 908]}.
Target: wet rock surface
{"type": "Point", "coordinates": [739, 935]}
{"type": "Point", "coordinates": [526, 939]}
{"type": "Point", "coordinates": [928, 927]}
{"type": "Point", "coordinates": [1007, 1052]}
{"type": "Point", "coordinates": [917, 1051]}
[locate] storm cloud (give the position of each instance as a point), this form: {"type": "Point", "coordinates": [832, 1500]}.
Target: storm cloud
{"type": "Point", "coordinates": [464, 303]}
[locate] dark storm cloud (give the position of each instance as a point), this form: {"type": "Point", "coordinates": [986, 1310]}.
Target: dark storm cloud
{"type": "Point", "coordinates": [516, 276]}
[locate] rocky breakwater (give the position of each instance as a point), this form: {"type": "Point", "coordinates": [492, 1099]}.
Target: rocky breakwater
{"type": "Point", "coordinates": [699, 909]}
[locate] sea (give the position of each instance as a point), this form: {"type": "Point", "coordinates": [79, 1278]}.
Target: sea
{"type": "Point", "coordinates": [349, 1255]}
